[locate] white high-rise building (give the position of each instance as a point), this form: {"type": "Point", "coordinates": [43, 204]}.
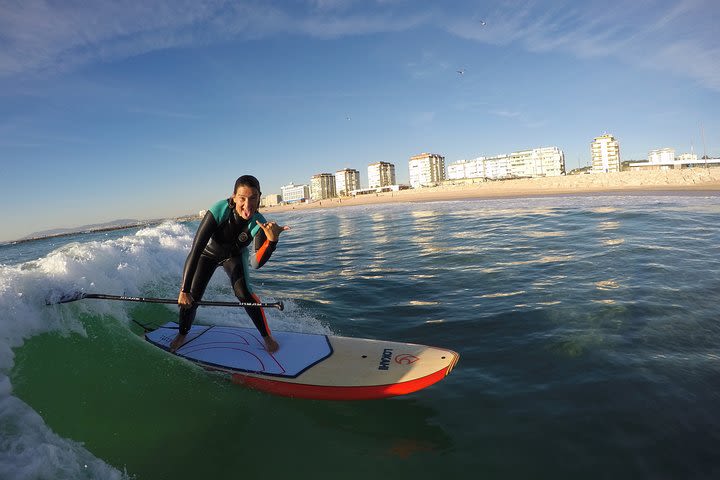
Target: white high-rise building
{"type": "Point", "coordinates": [474, 168]}
{"type": "Point", "coordinates": [381, 174]}
{"type": "Point", "coordinates": [538, 162]}
{"type": "Point", "coordinates": [549, 161]}
{"type": "Point", "coordinates": [605, 154]}
{"type": "Point", "coordinates": [497, 167]}
{"type": "Point", "coordinates": [661, 155]}
{"type": "Point", "coordinates": [426, 169]}
{"type": "Point", "coordinates": [270, 200]}
{"type": "Point", "coordinates": [687, 158]}
{"type": "Point", "coordinates": [295, 193]}
{"type": "Point", "coordinates": [346, 181]}
{"type": "Point", "coordinates": [322, 186]}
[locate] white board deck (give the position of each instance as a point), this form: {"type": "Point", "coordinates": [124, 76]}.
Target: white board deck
{"type": "Point", "coordinates": [312, 365]}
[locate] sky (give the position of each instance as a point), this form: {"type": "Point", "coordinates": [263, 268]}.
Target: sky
{"type": "Point", "coordinates": [146, 109]}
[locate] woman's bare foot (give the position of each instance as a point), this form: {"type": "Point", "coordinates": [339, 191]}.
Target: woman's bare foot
{"type": "Point", "coordinates": [177, 342]}
{"type": "Point", "coordinates": [271, 345]}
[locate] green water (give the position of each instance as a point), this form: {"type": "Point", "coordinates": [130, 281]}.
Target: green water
{"type": "Point", "coordinates": [156, 416]}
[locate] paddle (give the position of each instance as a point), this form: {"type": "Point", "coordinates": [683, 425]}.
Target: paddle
{"type": "Point", "coordinates": [71, 297]}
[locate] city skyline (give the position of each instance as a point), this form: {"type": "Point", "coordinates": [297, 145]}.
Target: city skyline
{"type": "Point", "coordinates": [152, 109]}
{"type": "Point", "coordinates": [588, 165]}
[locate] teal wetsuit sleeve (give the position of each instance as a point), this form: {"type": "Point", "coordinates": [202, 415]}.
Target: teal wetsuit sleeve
{"type": "Point", "coordinates": [220, 210]}
{"type": "Point", "coordinates": [207, 227]}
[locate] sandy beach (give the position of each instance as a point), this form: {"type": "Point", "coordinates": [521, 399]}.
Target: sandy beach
{"type": "Point", "coordinates": [696, 180]}
{"type": "Point", "coordinates": [688, 180]}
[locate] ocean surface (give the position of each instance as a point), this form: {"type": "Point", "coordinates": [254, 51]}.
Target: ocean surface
{"type": "Point", "coordinates": [588, 330]}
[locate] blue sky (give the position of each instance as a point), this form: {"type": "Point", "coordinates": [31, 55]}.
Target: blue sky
{"type": "Point", "coordinates": [147, 109]}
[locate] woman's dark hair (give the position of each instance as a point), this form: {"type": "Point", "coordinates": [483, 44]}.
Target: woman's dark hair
{"type": "Point", "coordinates": [247, 181]}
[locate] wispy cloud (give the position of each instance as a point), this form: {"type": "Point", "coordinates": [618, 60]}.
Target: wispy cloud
{"type": "Point", "coordinates": [39, 35]}
{"type": "Point", "coordinates": [16, 144]}
{"type": "Point", "coordinates": [163, 113]}
{"type": "Point", "coordinates": [678, 36]}
{"type": "Point", "coordinates": [422, 119]}
{"type": "Point", "coordinates": [174, 149]}
{"type": "Point", "coordinates": [520, 117]}
{"type": "Point", "coordinates": [29, 140]}
{"type": "Point", "coordinates": [664, 35]}
{"type": "Point", "coordinates": [505, 113]}
{"type": "Point", "coordinates": [19, 132]}
{"type": "Point", "coordinates": [427, 65]}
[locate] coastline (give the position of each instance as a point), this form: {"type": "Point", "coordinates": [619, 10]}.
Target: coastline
{"type": "Point", "coordinates": [695, 180]}
{"type": "Point", "coordinates": [691, 180]}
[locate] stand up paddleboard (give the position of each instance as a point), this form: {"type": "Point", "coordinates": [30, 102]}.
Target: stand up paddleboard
{"type": "Point", "coordinates": [323, 367]}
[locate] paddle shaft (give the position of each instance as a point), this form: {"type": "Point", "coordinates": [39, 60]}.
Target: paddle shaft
{"type": "Point", "coordinates": [124, 298]}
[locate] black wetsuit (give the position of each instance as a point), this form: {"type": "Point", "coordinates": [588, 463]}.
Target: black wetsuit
{"type": "Point", "coordinates": [223, 239]}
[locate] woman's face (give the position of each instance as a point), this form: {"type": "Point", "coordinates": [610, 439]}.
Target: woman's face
{"type": "Point", "coordinates": [246, 200]}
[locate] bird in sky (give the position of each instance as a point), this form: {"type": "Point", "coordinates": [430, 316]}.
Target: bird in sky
{"type": "Point", "coordinates": [461, 72]}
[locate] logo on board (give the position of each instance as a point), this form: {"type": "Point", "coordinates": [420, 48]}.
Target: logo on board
{"type": "Point", "coordinates": [406, 359]}
{"type": "Point", "coordinates": [402, 359]}
{"type": "Point", "coordinates": [385, 359]}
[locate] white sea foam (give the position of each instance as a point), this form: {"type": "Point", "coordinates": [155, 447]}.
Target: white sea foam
{"type": "Point", "coordinates": [148, 263]}
{"type": "Point", "coordinates": [29, 448]}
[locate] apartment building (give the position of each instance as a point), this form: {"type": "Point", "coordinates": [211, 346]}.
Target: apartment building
{"type": "Point", "coordinates": [474, 168]}
{"type": "Point", "coordinates": [295, 193]}
{"type": "Point", "coordinates": [605, 154]}
{"type": "Point", "coordinates": [270, 200]}
{"type": "Point", "coordinates": [322, 186]}
{"type": "Point", "coordinates": [538, 162]}
{"type": "Point", "coordinates": [426, 169]}
{"type": "Point", "coordinates": [661, 155]}
{"type": "Point", "coordinates": [346, 181]}
{"type": "Point", "coordinates": [381, 174]}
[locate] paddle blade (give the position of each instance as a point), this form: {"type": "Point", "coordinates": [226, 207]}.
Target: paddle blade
{"type": "Point", "coordinates": [60, 297]}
